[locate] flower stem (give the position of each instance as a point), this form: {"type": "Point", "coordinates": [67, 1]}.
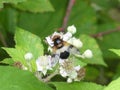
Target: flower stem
{"type": "Point", "coordinates": [48, 78]}
{"type": "Point", "coordinates": [39, 75]}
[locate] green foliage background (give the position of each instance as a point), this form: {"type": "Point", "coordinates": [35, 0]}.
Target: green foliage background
{"type": "Point", "coordinates": [43, 17]}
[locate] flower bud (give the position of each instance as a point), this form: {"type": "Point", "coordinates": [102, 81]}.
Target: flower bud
{"type": "Point", "coordinates": [88, 54]}
{"type": "Point", "coordinates": [69, 80]}
{"type": "Point", "coordinates": [28, 56]}
{"type": "Point", "coordinates": [71, 29]}
{"type": "Point", "coordinates": [75, 42]}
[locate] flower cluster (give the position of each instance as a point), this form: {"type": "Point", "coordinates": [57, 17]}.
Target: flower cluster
{"type": "Point", "coordinates": [66, 67]}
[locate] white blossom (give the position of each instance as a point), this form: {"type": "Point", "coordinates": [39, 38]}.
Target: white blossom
{"type": "Point", "coordinates": [28, 56]}
{"type": "Point", "coordinates": [75, 42]}
{"type": "Point", "coordinates": [71, 74]}
{"type": "Point", "coordinates": [43, 64]}
{"type": "Point", "coordinates": [88, 54]}
{"type": "Point", "coordinates": [71, 29]}
{"type": "Point", "coordinates": [67, 69]}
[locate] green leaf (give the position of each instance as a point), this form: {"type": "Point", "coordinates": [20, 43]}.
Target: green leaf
{"type": "Point", "coordinates": [16, 79]}
{"type": "Point", "coordinates": [8, 22]}
{"type": "Point", "coordinates": [78, 61]}
{"type": "Point", "coordinates": [117, 72]}
{"type": "Point", "coordinates": [77, 86]}
{"type": "Point", "coordinates": [114, 85]}
{"type": "Point", "coordinates": [16, 54]}
{"type": "Point", "coordinates": [116, 51]}
{"type": "Point", "coordinates": [91, 73]}
{"type": "Point", "coordinates": [10, 1]}
{"type": "Point", "coordinates": [3, 54]}
{"type": "Point", "coordinates": [29, 42]}
{"type": "Point", "coordinates": [26, 42]}
{"type": "Point", "coordinates": [8, 61]}
{"type": "Point", "coordinates": [90, 43]}
{"type": "Point", "coordinates": [36, 6]}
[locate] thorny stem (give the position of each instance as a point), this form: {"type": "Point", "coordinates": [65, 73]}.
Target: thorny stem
{"type": "Point", "coordinates": [98, 35]}
{"type": "Point", "coordinates": [48, 78]}
{"type": "Point", "coordinates": [66, 17]}
{"type": "Point", "coordinates": [2, 39]}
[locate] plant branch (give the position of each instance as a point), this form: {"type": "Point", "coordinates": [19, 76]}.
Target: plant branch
{"type": "Point", "coordinates": [105, 33]}
{"type": "Point", "coordinates": [2, 39]}
{"type": "Point", "coordinates": [66, 17]}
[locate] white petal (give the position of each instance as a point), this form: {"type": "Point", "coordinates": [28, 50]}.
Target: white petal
{"type": "Point", "coordinates": [71, 29]}
{"type": "Point", "coordinates": [39, 68]}
{"type": "Point", "coordinates": [73, 74]}
{"type": "Point", "coordinates": [69, 80]}
{"type": "Point", "coordinates": [50, 49]}
{"type": "Point", "coordinates": [63, 73]}
{"type": "Point", "coordinates": [77, 43]}
{"type": "Point", "coordinates": [44, 71]}
{"type": "Point", "coordinates": [77, 68]}
{"type": "Point", "coordinates": [54, 60]}
{"type": "Point", "coordinates": [70, 41]}
{"type": "Point", "coordinates": [61, 61]}
{"type": "Point", "coordinates": [49, 41]}
{"type": "Point", "coordinates": [88, 54]}
{"type": "Point", "coordinates": [67, 36]}
{"type": "Point", "coordinates": [43, 62]}
{"type": "Point", "coordinates": [49, 67]}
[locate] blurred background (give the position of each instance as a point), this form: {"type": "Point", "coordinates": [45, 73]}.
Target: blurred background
{"type": "Point", "coordinates": [99, 19]}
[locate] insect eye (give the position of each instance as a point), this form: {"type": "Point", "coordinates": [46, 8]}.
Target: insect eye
{"type": "Point", "coordinates": [57, 41]}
